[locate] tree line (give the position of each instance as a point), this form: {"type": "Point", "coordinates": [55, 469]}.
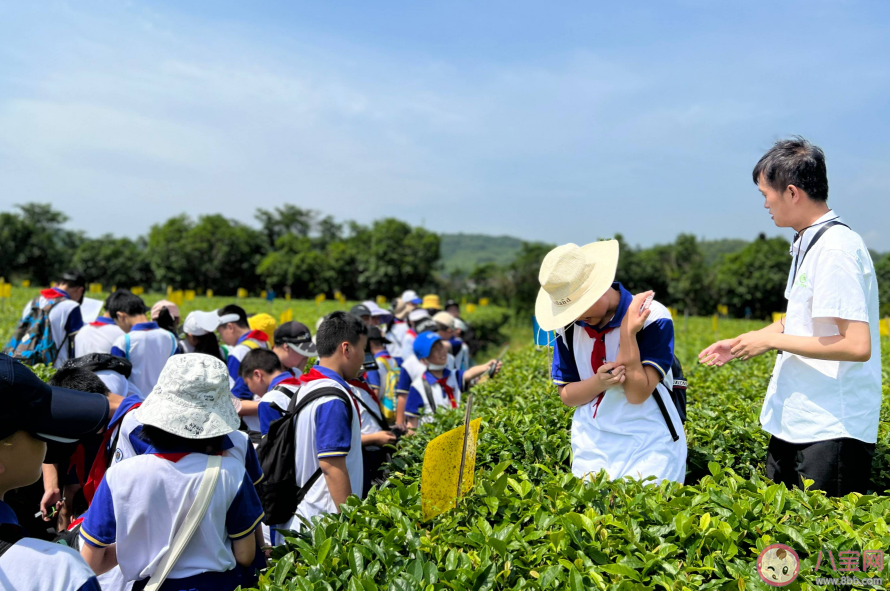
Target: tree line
{"type": "Point", "coordinates": [299, 251]}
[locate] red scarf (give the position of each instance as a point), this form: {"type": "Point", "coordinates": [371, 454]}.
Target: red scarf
{"type": "Point", "coordinates": [314, 374]}
{"type": "Point", "coordinates": [175, 456]}
{"type": "Point", "coordinates": [52, 294]}
{"type": "Point", "coordinates": [100, 464]}
{"type": "Point", "coordinates": [291, 381]}
{"type": "Point", "coordinates": [598, 356]}
{"type": "Point", "coordinates": [257, 335]}
{"type": "Point", "coordinates": [449, 391]}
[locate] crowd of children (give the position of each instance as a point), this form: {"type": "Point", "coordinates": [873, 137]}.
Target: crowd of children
{"type": "Point", "coordinates": [167, 488]}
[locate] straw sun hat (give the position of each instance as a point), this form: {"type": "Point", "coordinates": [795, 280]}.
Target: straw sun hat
{"type": "Point", "coordinates": [191, 399]}
{"type": "Point", "coordinates": [572, 279]}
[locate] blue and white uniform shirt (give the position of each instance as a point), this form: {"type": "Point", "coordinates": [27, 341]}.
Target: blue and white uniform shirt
{"type": "Point", "coordinates": [97, 337]}
{"type": "Point", "coordinates": [255, 339]}
{"type": "Point", "coordinates": [274, 403]}
{"type": "Point", "coordinates": [419, 404]}
{"type": "Point", "coordinates": [36, 565]}
{"type": "Point", "coordinates": [148, 347]}
{"type": "Point", "coordinates": [141, 502]}
{"type": "Point", "coordinates": [609, 432]}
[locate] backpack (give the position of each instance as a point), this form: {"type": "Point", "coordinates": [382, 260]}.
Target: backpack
{"type": "Point", "coordinates": [677, 389]}
{"type": "Point", "coordinates": [388, 390]}
{"type": "Point", "coordinates": [278, 491]}
{"type": "Point", "coordinates": [32, 343]}
{"type": "Point", "coordinates": [9, 536]}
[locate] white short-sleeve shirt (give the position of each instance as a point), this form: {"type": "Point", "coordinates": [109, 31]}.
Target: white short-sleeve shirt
{"type": "Point", "coordinates": [97, 337]}
{"type": "Point", "coordinates": [148, 348]}
{"type": "Point", "coordinates": [813, 399]}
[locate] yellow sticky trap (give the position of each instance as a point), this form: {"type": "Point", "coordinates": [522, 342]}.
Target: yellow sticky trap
{"type": "Point", "coordinates": [470, 308]}
{"type": "Point", "coordinates": [714, 318]}
{"type": "Point", "coordinates": [25, 283]}
{"type": "Point", "coordinates": [177, 297]}
{"type": "Point", "coordinates": [320, 298]}
{"type": "Point", "coordinates": [263, 294]}
{"type": "Point", "coordinates": [286, 316]}
{"type": "Point", "coordinates": [483, 302]}
{"type": "Point", "coordinates": [242, 293]}
{"type": "Point", "coordinates": [778, 316]}
{"type": "Point", "coordinates": [441, 468]}
{"type": "Point", "coordinates": [885, 327]}
{"type": "Point", "coordinates": [723, 310]}
{"type": "Point", "coordinates": [673, 312]}
{"type": "Point", "coordinates": [381, 300]}
{"type": "Point", "coordinates": [209, 293]}
{"type": "Point", "coordinates": [169, 289]}
{"type": "Point", "coordinates": [190, 295]}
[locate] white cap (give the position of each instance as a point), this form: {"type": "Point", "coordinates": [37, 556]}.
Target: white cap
{"type": "Point", "coordinates": [410, 296]}
{"type": "Point", "coordinates": [199, 323]}
{"type": "Point", "coordinates": [375, 309]}
{"type": "Point", "coordinates": [418, 314]}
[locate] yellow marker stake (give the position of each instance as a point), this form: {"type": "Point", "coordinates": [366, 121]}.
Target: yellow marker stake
{"type": "Point", "coordinates": [25, 283]}
{"type": "Point", "coordinates": [190, 295]}
{"type": "Point", "coordinates": [715, 318]}
{"type": "Point", "coordinates": [209, 293]}
{"type": "Point", "coordinates": [381, 300]}
{"type": "Point", "coordinates": [242, 293]}
{"type": "Point", "coordinates": [483, 302]}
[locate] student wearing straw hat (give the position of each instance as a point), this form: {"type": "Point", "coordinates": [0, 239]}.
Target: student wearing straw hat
{"type": "Point", "coordinates": [142, 503]}
{"type": "Point", "coordinates": [612, 357]}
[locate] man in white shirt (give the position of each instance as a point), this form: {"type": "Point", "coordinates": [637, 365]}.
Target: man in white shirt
{"type": "Point", "coordinates": [823, 402]}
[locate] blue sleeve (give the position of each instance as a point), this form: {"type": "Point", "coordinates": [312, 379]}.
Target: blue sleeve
{"type": "Point", "coordinates": [460, 379]}
{"type": "Point", "coordinates": [245, 512]}
{"type": "Point", "coordinates": [252, 465]}
{"type": "Point", "coordinates": [404, 382]}
{"type": "Point", "coordinates": [414, 404]}
{"type": "Point", "coordinates": [99, 527]}
{"type": "Point", "coordinates": [91, 584]}
{"type": "Point", "coordinates": [74, 322]}
{"type": "Point", "coordinates": [564, 370]}
{"type": "Point", "coordinates": [656, 343]}
{"type": "Point", "coordinates": [240, 389]}
{"type": "Point", "coordinates": [140, 446]}
{"type": "Point", "coordinates": [267, 413]}
{"type": "Point", "coordinates": [373, 378]}
{"type": "Point", "coordinates": [333, 429]}
{"type": "Point", "coordinates": [116, 349]}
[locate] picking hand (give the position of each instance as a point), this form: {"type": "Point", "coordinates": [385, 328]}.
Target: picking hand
{"type": "Point", "coordinates": [384, 438]}
{"type": "Point", "coordinates": [610, 380]}
{"type": "Point", "coordinates": [52, 499]}
{"type": "Point", "coordinates": [494, 363]}
{"type": "Point", "coordinates": [717, 354]}
{"type": "Point", "coordinates": [633, 319]}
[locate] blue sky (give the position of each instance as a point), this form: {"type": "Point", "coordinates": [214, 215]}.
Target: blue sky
{"type": "Point", "coordinates": [547, 121]}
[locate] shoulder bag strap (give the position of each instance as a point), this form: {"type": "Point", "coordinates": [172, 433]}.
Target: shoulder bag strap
{"type": "Point", "coordinates": [429, 393]}
{"type": "Point", "coordinates": [175, 344]}
{"type": "Point", "coordinates": [127, 346]}
{"type": "Point", "coordinates": [189, 526]}
{"type": "Point", "coordinates": [381, 422]}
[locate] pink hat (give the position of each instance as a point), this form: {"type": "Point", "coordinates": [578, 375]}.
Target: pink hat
{"type": "Point", "coordinates": [156, 309]}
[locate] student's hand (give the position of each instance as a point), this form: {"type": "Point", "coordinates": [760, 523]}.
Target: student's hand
{"type": "Point", "coordinates": [382, 438]}
{"type": "Point", "coordinates": [610, 380]}
{"type": "Point", "coordinates": [633, 320]}
{"type": "Point", "coordinates": [52, 498]}
{"type": "Point", "coordinates": [496, 365]}
{"type": "Point", "coordinates": [750, 344]}
{"type": "Point", "coordinates": [717, 354]}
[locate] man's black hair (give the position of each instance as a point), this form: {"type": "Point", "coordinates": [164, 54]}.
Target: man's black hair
{"type": "Point", "coordinates": [794, 162]}
{"type": "Point", "coordinates": [124, 301]}
{"type": "Point", "coordinates": [162, 440]}
{"type": "Point", "coordinates": [338, 327]}
{"type": "Point", "coordinates": [80, 379]}
{"type": "Point", "coordinates": [72, 279]}
{"type": "Point", "coordinates": [262, 359]}
{"type": "Point", "coordinates": [209, 345]}
{"type": "Point", "coordinates": [233, 309]}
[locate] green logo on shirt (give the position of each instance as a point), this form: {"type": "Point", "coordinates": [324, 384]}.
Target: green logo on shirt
{"type": "Point", "coordinates": [802, 280]}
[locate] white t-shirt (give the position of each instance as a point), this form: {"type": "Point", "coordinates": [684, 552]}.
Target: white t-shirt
{"type": "Point", "coordinates": [813, 399]}
{"type": "Point", "coordinates": [396, 334]}
{"type": "Point", "coordinates": [36, 565]}
{"type": "Point", "coordinates": [370, 424]}
{"type": "Point", "coordinates": [141, 503]}
{"type": "Point", "coordinates": [321, 432]}
{"type": "Point", "coordinates": [148, 348]}
{"type": "Point", "coordinates": [408, 344]}
{"type": "Point", "coordinates": [611, 433]}
{"type": "Point", "coordinates": [97, 337]}
{"type": "Point", "coordinates": [64, 321]}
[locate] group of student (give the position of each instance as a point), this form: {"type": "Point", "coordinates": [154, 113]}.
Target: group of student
{"type": "Point", "coordinates": [145, 409]}
{"type": "Point", "coordinates": [614, 352]}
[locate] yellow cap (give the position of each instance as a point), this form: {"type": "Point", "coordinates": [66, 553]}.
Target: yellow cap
{"type": "Point", "coordinates": [265, 323]}
{"type": "Point", "coordinates": [431, 302]}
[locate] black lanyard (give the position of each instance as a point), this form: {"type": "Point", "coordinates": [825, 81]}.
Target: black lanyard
{"type": "Point", "coordinates": [799, 259]}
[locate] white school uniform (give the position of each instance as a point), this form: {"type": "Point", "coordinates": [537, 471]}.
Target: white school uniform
{"type": "Point", "coordinates": [118, 384]}
{"type": "Point", "coordinates": [274, 403]}
{"type": "Point", "coordinates": [609, 432]}
{"type": "Point", "coordinates": [322, 432]}
{"type": "Point", "coordinates": [396, 335]}
{"type": "Point", "coordinates": [64, 320]}
{"type": "Point", "coordinates": [97, 337]}
{"type": "Point", "coordinates": [141, 503]}
{"type": "Point", "coordinates": [813, 399]}
{"type": "Point", "coordinates": [408, 344]}
{"type": "Point", "coordinates": [255, 339]}
{"type": "Point", "coordinates": [148, 348]}
{"type": "Point", "coordinates": [419, 404]}
{"type": "Point", "coordinates": [371, 415]}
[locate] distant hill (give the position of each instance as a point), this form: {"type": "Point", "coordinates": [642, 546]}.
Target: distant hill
{"type": "Point", "coordinates": [464, 252]}
{"type": "Point", "coordinates": [714, 249]}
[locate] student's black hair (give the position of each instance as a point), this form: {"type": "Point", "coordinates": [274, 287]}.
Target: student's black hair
{"type": "Point", "coordinates": [233, 309]}
{"type": "Point", "coordinates": [72, 278]}
{"type": "Point", "coordinates": [162, 440]}
{"type": "Point", "coordinates": [165, 321]}
{"type": "Point", "coordinates": [337, 327]}
{"type": "Point", "coordinates": [262, 359]}
{"type": "Point", "coordinates": [794, 162]}
{"type": "Point", "coordinates": [208, 344]}
{"type": "Point", "coordinates": [80, 379]}
{"type": "Point", "coordinates": [124, 301]}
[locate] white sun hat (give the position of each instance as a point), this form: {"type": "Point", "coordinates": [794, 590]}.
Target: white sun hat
{"type": "Point", "coordinates": [191, 399]}
{"type": "Point", "coordinates": [418, 314]}
{"type": "Point", "coordinates": [375, 309]}
{"type": "Point", "coordinates": [199, 323]}
{"type": "Point", "coordinates": [572, 279]}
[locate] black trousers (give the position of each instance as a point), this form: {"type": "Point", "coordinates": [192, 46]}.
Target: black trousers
{"type": "Point", "coordinates": [837, 466]}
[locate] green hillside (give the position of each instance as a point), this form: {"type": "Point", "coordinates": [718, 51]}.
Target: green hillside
{"type": "Point", "coordinates": [464, 252]}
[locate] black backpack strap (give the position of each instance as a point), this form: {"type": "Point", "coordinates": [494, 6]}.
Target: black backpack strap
{"type": "Point", "coordinates": [381, 420]}
{"type": "Point", "coordinates": [9, 535]}
{"type": "Point", "coordinates": [664, 412]}
{"type": "Point", "coordinates": [292, 396]}
{"type": "Point", "coordinates": [429, 393]}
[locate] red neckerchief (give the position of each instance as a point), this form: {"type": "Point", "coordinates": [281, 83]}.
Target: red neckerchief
{"type": "Point", "coordinates": [291, 381]}
{"type": "Point", "coordinates": [52, 294]}
{"type": "Point", "coordinates": [366, 387]}
{"type": "Point", "coordinates": [449, 391]}
{"type": "Point", "coordinates": [177, 455]}
{"type": "Point", "coordinates": [314, 374]}
{"type": "Point", "coordinates": [412, 333]}
{"type": "Point", "coordinates": [98, 322]}
{"type": "Point", "coordinates": [257, 335]}
{"type": "Point", "coordinates": [598, 356]}
{"type": "Point", "coordinates": [100, 464]}
{"type": "Point", "coordinates": [76, 522]}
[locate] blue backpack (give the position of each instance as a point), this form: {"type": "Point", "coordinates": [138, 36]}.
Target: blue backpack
{"type": "Point", "coordinates": [32, 343]}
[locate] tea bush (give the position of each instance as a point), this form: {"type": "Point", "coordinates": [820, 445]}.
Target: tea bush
{"type": "Point", "coordinates": [529, 524]}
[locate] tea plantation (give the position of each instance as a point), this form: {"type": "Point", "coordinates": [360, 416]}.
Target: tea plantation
{"type": "Point", "coordinates": [528, 524]}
